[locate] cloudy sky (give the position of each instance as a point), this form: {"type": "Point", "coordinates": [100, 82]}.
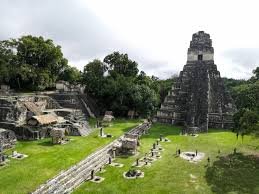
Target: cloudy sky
{"type": "Point", "coordinates": [156, 33]}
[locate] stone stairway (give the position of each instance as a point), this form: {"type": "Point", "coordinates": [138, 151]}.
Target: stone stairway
{"type": "Point", "coordinates": [67, 181]}
{"type": "Point", "coordinates": [84, 131]}
{"type": "Point", "coordinates": [87, 108]}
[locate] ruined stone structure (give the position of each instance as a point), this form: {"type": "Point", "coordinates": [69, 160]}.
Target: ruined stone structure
{"type": "Point", "coordinates": [108, 116]}
{"type": "Point", "coordinates": [7, 138]}
{"type": "Point", "coordinates": [129, 144]}
{"type": "Point", "coordinates": [77, 101]}
{"type": "Point", "coordinates": [33, 117]}
{"type": "Point", "coordinates": [57, 135]}
{"type": "Point", "coordinates": [64, 86]}
{"type": "Point", "coordinates": [198, 99]}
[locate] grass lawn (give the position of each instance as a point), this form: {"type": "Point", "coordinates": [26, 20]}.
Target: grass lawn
{"type": "Point", "coordinates": [171, 174]}
{"type": "Point", "coordinates": [46, 160]}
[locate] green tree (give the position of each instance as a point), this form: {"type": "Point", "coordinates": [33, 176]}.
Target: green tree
{"type": "Point", "coordinates": [71, 74]}
{"type": "Point", "coordinates": [256, 74]}
{"type": "Point", "coordinates": [121, 64]}
{"type": "Point", "coordinates": [93, 77]}
{"type": "Point", "coordinates": [246, 121]}
{"type": "Point", "coordinates": [32, 62]}
{"type": "Point", "coordinates": [7, 61]}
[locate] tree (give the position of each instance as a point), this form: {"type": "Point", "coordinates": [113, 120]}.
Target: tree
{"type": "Point", "coordinates": [40, 53]}
{"type": "Point", "coordinates": [246, 122]}
{"type": "Point", "coordinates": [7, 60]}
{"type": "Point", "coordinates": [247, 96]}
{"type": "Point", "coordinates": [93, 77]}
{"type": "Point", "coordinates": [121, 64]}
{"type": "Point", "coordinates": [71, 74]}
{"type": "Point", "coordinates": [144, 99]}
{"type": "Point", "coordinates": [256, 74]}
{"type": "Point", "coordinates": [32, 62]}
{"type": "Point", "coordinates": [122, 89]}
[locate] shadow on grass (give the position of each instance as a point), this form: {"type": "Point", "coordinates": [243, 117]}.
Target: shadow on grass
{"type": "Point", "coordinates": [46, 143]}
{"type": "Point", "coordinates": [234, 173]}
{"type": "Point", "coordinates": [219, 130]}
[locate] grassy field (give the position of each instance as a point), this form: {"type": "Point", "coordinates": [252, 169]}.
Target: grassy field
{"type": "Point", "coordinates": [46, 160]}
{"type": "Point", "coordinates": [226, 173]}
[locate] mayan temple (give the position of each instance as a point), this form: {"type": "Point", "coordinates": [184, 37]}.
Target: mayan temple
{"type": "Point", "coordinates": [198, 100]}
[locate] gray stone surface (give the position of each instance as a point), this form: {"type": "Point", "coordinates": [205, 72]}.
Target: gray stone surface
{"type": "Point", "coordinates": [16, 111]}
{"type": "Point", "coordinates": [7, 139]}
{"type": "Point", "coordinates": [198, 99]}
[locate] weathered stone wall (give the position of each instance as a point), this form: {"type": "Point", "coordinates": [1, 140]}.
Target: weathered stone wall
{"type": "Point", "coordinates": [13, 113]}
{"type": "Point", "coordinates": [7, 138]}
{"type": "Point", "coordinates": [77, 101]}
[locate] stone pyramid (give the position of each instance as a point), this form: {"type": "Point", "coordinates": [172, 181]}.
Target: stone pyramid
{"type": "Point", "coordinates": [198, 100]}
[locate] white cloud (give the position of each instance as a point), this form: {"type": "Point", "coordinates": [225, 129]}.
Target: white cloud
{"type": "Point", "coordinates": [155, 33]}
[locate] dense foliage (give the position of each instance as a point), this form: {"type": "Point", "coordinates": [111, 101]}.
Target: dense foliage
{"type": "Point", "coordinates": [246, 97]}
{"type": "Point", "coordinates": [116, 84]}
{"type": "Point", "coordinates": [34, 63]}
{"type": "Point", "coordinates": [30, 63]}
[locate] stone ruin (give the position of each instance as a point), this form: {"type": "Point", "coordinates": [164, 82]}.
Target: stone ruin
{"type": "Point", "coordinates": [108, 116]}
{"type": "Point", "coordinates": [129, 144]}
{"type": "Point", "coordinates": [75, 100]}
{"type": "Point", "coordinates": [7, 140]}
{"type": "Point", "coordinates": [193, 157]}
{"type": "Point", "coordinates": [33, 117]}
{"type": "Point", "coordinates": [132, 114]}
{"type": "Point", "coordinates": [58, 135]}
{"type": "Point", "coordinates": [4, 89]}
{"type": "Point", "coordinates": [64, 86]}
{"type": "Point", "coordinates": [198, 100]}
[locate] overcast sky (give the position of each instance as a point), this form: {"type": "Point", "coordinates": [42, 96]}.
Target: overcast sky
{"type": "Point", "coordinates": [156, 34]}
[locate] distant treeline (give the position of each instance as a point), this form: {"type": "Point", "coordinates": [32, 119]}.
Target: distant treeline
{"type": "Point", "coordinates": [246, 96]}
{"type": "Point", "coordinates": [33, 63]}
{"type": "Point", "coordinates": [116, 83]}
